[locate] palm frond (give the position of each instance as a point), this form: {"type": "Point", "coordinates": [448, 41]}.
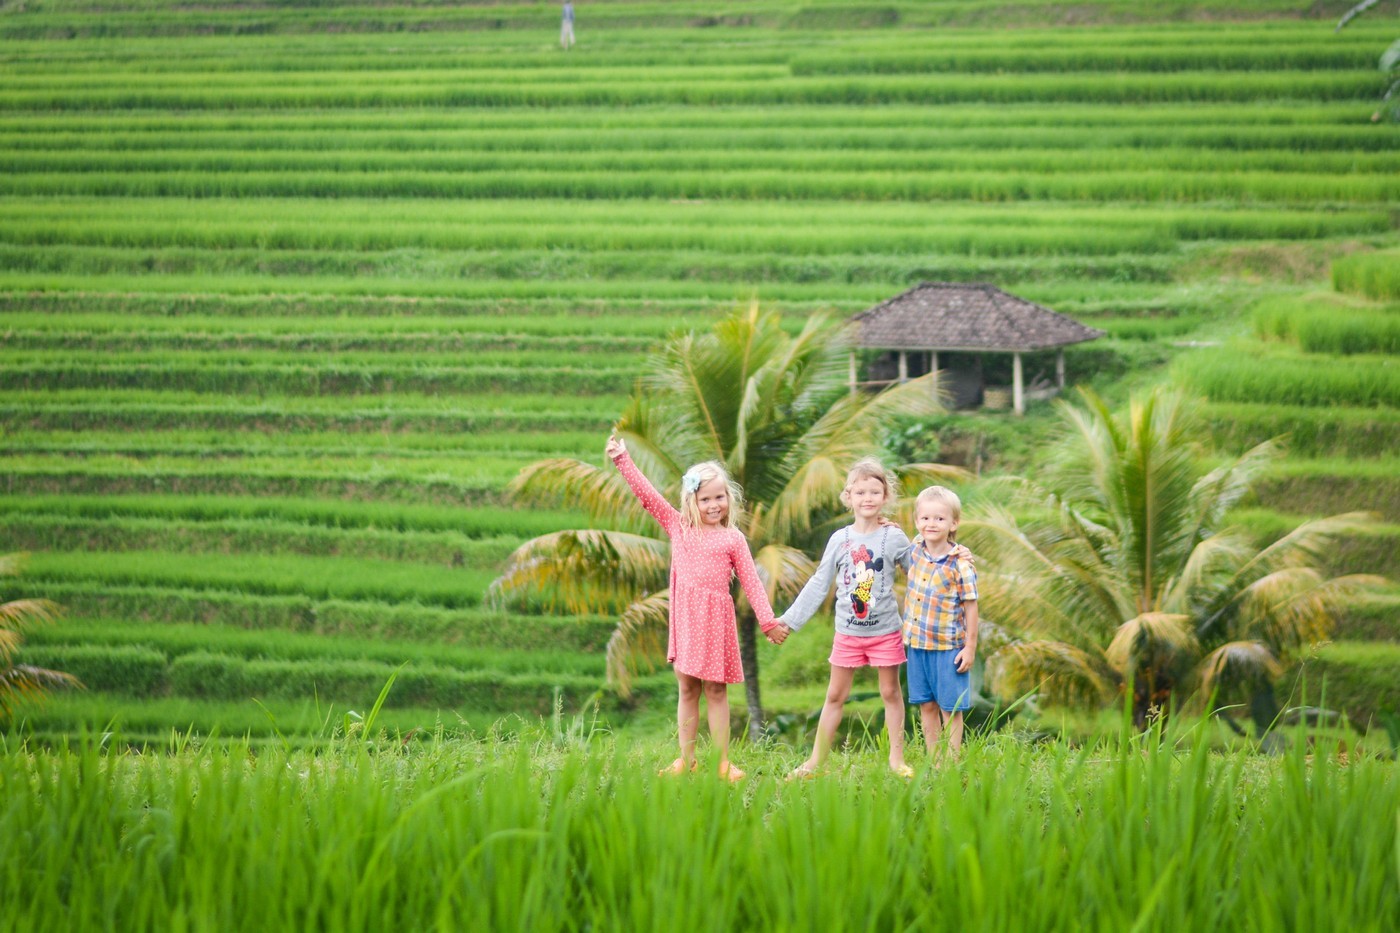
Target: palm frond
{"type": "Point", "coordinates": [813, 489]}
{"type": "Point", "coordinates": [785, 570]}
{"type": "Point", "coordinates": [749, 419]}
{"type": "Point", "coordinates": [21, 613]}
{"type": "Point", "coordinates": [1207, 567]}
{"type": "Point", "coordinates": [660, 436]}
{"type": "Point", "coordinates": [1061, 672]}
{"type": "Point", "coordinates": [1221, 489]}
{"type": "Point", "coordinates": [18, 615]}
{"type": "Point", "coordinates": [1135, 476]}
{"type": "Point", "coordinates": [1304, 547]}
{"type": "Point", "coordinates": [700, 373]}
{"type": "Point", "coordinates": [1236, 667]}
{"type": "Point", "coordinates": [914, 477]}
{"type": "Point", "coordinates": [1307, 544]}
{"type": "Point", "coordinates": [1034, 585]}
{"type": "Point", "coordinates": [10, 641]}
{"type": "Point", "coordinates": [692, 386]}
{"type": "Point", "coordinates": [639, 642]}
{"type": "Point", "coordinates": [599, 491]}
{"type": "Point", "coordinates": [582, 571]}
{"type": "Point", "coordinates": [1156, 641]}
{"type": "Point", "coordinates": [24, 682]}
{"type": "Point", "coordinates": [1090, 580]}
{"type": "Point", "coordinates": [1086, 469]}
{"type": "Point", "coordinates": [816, 463]}
{"type": "Point", "coordinates": [816, 362]}
{"type": "Point", "coordinates": [1295, 606]}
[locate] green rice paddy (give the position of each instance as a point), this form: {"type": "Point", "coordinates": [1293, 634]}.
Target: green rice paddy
{"type": "Point", "coordinates": [288, 294]}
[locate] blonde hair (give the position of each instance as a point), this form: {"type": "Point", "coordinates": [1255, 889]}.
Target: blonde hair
{"type": "Point", "coordinates": [947, 497]}
{"type": "Point", "coordinates": [699, 475]}
{"type": "Point", "coordinates": [870, 468]}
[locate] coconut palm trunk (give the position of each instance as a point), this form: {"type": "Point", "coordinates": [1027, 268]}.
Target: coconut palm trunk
{"type": "Point", "coordinates": [748, 658]}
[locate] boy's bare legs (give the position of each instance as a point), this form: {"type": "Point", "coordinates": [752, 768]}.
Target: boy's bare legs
{"type": "Point", "coordinates": [934, 718]}
{"type": "Point", "coordinates": [955, 735]}
{"type": "Point", "coordinates": [717, 708]}
{"type": "Point", "coordinates": [931, 715]}
{"type": "Point", "coordinates": [687, 722]}
{"type": "Point", "coordinates": [893, 698]}
{"type": "Point", "coordinates": [837, 692]}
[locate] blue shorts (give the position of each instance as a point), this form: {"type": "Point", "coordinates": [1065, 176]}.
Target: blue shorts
{"type": "Point", "coordinates": [933, 676]}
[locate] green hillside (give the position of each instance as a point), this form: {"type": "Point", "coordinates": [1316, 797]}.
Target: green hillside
{"type": "Point", "coordinates": [289, 292]}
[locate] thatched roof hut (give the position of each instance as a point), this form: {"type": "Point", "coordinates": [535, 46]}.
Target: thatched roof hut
{"type": "Point", "coordinates": [950, 317]}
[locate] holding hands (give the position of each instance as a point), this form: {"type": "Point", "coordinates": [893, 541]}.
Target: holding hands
{"type": "Point", "coordinates": [778, 633]}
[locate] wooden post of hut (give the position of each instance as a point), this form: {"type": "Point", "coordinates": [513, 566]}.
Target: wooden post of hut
{"type": "Point", "coordinates": [1018, 391]}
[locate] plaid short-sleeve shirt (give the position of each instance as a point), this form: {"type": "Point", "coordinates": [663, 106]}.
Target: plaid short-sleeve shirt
{"type": "Point", "coordinates": [933, 604]}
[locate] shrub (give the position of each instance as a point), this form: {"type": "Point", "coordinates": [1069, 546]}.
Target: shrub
{"type": "Point", "coordinates": [129, 669]}
{"type": "Point", "coordinates": [1375, 275]}
{"type": "Point", "coordinates": [1327, 326]}
{"type": "Point", "coordinates": [211, 676]}
{"type": "Point", "coordinates": [356, 682]}
{"type": "Point", "coordinates": [1357, 678]}
{"type": "Point", "coordinates": [1309, 431]}
{"type": "Point", "coordinates": [1373, 619]}
{"type": "Point", "coordinates": [1241, 374]}
{"type": "Point", "coordinates": [1309, 488]}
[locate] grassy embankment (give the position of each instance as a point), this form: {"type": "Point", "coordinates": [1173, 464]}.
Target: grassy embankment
{"type": "Point", "coordinates": [289, 294]}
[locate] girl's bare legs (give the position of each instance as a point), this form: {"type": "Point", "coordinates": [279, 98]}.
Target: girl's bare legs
{"type": "Point", "coordinates": [717, 708]}
{"type": "Point", "coordinates": [893, 697]}
{"type": "Point", "coordinates": [837, 692]}
{"type": "Point", "coordinates": [931, 714]}
{"type": "Point", "coordinates": [687, 722]}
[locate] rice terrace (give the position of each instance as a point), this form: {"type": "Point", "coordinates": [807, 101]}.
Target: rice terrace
{"type": "Point", "coordinates": [322, 607]}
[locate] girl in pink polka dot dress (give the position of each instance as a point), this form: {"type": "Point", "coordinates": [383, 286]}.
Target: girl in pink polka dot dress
{"type": "Point", "coordinates": [707, 550]}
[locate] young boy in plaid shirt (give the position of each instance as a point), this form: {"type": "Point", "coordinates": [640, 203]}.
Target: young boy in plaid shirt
{"type": "Point", "coordinates": [940, 620]}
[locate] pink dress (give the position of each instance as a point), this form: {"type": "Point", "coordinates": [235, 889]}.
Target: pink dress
{"type": "Point", "coordinates": [704, 642]}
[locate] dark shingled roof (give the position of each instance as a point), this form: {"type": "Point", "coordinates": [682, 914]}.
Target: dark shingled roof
{"type": "Point", "coordinates": [965, 316]}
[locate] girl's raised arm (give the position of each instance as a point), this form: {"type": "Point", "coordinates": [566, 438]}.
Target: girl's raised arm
{"type": "Point", "coordinates": [742, 559]}
{"type": "Point", "coordinates": [654, 502]}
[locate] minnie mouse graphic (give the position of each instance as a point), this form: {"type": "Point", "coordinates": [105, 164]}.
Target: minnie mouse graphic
{"type": "Point", "coordinates": [864, 569]}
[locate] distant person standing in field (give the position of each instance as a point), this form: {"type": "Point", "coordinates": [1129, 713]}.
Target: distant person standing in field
{"type": "Point", "coordinates": [566, 26]}
{"type": "Point", "coordinates": [707, 551]}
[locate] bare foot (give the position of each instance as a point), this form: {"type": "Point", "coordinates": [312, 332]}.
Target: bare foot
{"type": "Point", "coordinates": [803, 772]}
{"type": "Point", "coordinates": [676, 768]}
{"type": "Point", "coordinates": [731, 773]}
{"type": "Point", "coordinates": [900, 769]}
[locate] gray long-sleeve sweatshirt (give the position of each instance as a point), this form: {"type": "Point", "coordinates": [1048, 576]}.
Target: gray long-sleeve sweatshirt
{"type": "Point", "coordinates": [862, 567]}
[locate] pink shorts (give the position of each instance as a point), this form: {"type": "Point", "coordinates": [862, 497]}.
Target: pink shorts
{"type": "Point", "coordinates": [880, 651]}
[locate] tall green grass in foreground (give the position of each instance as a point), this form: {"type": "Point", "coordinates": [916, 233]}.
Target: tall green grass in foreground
{"type": "Point", "coordinates": [544, 830]}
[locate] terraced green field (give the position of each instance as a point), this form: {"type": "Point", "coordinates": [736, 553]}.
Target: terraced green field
{"type": "Point", "coordinates": [288, 293]}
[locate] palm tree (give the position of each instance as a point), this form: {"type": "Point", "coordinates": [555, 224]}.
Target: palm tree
{"type": "Point", "coordinates": [775, 409]}
{"type": "Point", "coordinates": [21, 681]}
{"type": "Point", "coordinates": [1126, 572]}
{"type": "Point", "coordinates": [1389, 63]}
